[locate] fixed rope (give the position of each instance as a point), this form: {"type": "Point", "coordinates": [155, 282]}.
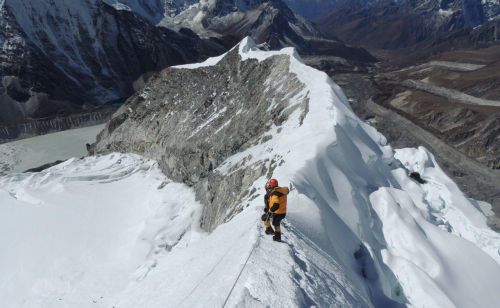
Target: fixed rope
{"type": "Point", "coordinates": [239, 275]}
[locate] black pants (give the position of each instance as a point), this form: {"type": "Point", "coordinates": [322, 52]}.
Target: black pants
{"type": "Point", "coordinates": [276, 218]}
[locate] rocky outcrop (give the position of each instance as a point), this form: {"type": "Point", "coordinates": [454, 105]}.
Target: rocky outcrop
{"type": "Point", "coordinates": [192, 120]}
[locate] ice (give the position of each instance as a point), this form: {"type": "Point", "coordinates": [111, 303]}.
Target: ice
{"type": "Point", "coordinates": [433, 265]}
{"type": "Point", "coordinates": [442, 202]}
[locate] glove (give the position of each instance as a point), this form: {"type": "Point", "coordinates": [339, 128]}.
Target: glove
{"type": "Point", "coordinates": [275, 207]}
{"type": "Point", "coordinates": [266, 216]}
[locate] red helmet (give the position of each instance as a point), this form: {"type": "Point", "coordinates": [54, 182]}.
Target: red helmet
{"type": "Point", "coordinates": [272, 183]}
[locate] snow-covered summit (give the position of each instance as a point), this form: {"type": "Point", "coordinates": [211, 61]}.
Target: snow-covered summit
{"type": "Point", "coordinates": [359, 233]}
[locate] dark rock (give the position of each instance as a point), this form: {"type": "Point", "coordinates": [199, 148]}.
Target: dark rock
{"type": "Point", "coordinates": [44, 167]}
{"type": "Point", "coordinates": [416, 176]}
{"type": "Point", "coordinates": [90, 61]}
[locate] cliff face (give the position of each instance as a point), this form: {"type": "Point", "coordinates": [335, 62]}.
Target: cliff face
{"type": "Point", "coordinates": [59, 55]}
{"type": "Point", "coordinates": [192, 119]}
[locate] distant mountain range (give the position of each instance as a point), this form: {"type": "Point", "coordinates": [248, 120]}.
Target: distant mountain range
{"type": "Point", "coordinates": [393, 24]}
{"type": "Point", "coordinates": [57, 57]}
{"type": "Point", "coordinates": [475, 11]}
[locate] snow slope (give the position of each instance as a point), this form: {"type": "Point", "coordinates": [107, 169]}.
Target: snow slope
{"type": "Point", "coordinates": [19, 156]}
{"type": "Point", "coordinates": [359, 231]}
{"type": "Point", "coordinates": [79, 232]}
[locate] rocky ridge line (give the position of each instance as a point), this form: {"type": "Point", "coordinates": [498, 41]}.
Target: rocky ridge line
{"type": "Point", "coordinates": [192, 120]}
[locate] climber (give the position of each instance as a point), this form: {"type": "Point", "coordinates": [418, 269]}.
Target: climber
{"type": "Point", "coordinates": [274, 208]}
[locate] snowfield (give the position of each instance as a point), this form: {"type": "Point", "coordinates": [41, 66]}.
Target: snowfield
{"type": "Point", "coordinates": [112, 230]}
{"type": "Point", "coordinates": [78, 233]}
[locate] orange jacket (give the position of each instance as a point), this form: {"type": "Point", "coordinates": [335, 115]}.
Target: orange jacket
{"type": "Point", "coordinates": [277, 200]}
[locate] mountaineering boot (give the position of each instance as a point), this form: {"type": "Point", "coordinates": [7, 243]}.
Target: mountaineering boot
{"type": "Point", "coordinates": [269, 230]}
{"type": "Point", "coordinates": [267, 224]}
{"type": "Point", "coordinates": [277, 237]}
{"type": "Point", "coordinates": [277, 234]}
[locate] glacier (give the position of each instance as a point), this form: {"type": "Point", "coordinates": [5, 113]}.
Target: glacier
{"type": "Point", "coordinates": [25, 154]}
{"type": "Point", "coordinates": [113, 230]}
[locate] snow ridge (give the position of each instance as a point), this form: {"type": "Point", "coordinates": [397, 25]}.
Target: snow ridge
{"type": "Point", "coordinates": [340, 167]}
{"type": "Point", "coordinates": [359, 232]}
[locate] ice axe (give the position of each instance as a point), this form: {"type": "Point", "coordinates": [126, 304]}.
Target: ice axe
{"type": "Point", "coordinates": [266, 216]}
